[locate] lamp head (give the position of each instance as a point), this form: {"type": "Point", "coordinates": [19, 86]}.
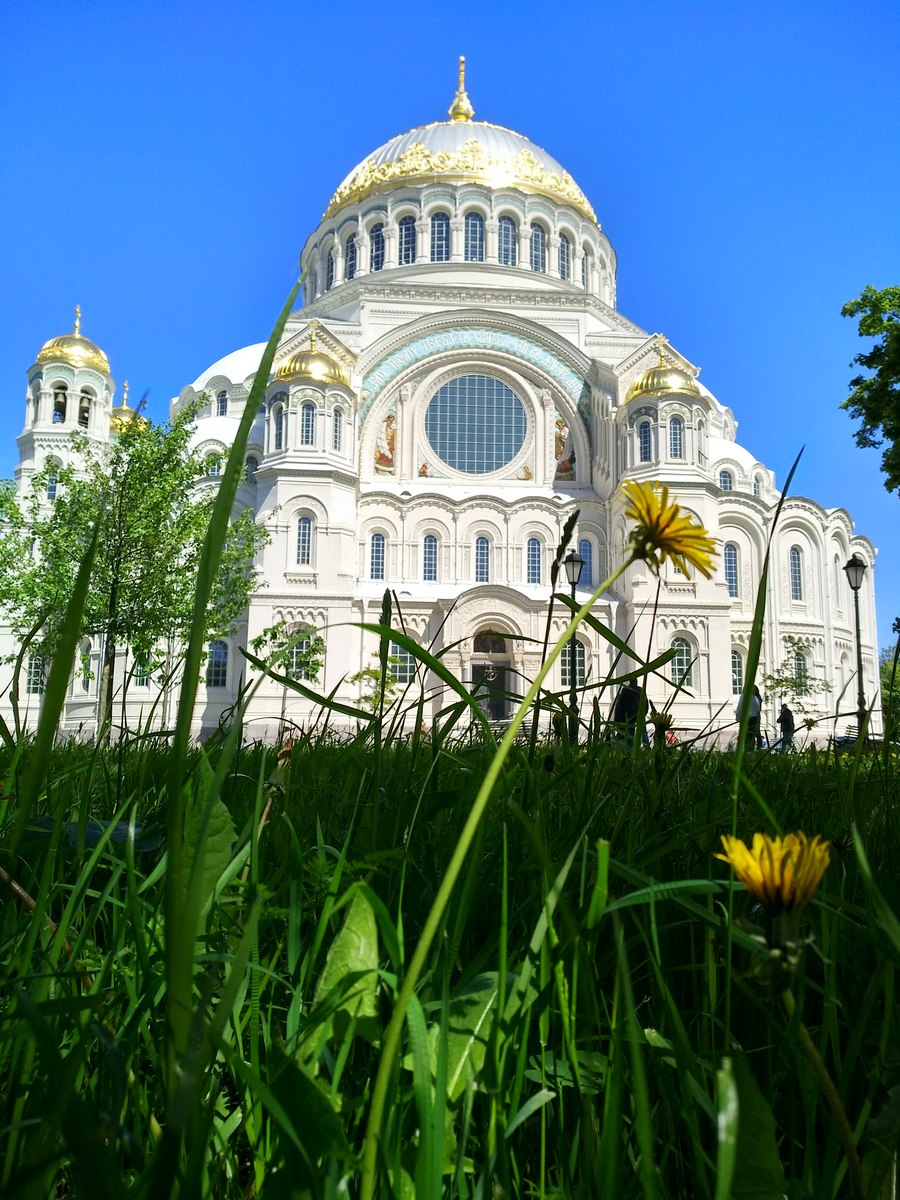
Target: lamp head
{"type": "Point", "coordinates": [573, 563]}
{"type": "Point", "coordinates": [855, 568]}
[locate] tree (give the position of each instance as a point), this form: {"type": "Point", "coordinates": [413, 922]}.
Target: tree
{"type": "Point", "coordinates": [146, 493]}
{"type": "Point", "coordinates": [875, 399]}
{"type": "Point", "coordinates": [889, 673]}
{"type": "Point", "coordinates": [792, 680]}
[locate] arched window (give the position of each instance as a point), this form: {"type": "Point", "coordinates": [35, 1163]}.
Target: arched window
{"type": "Point", "coordinates": [676, 437]}
{"type": "Point", "coordinates": [52, 481]}
{"type": "Point", "coordinates": [308, 424]}
{"type": "Point", "coordinates": [251, 466]}
{"type": "Point", "coordinates": [304, 541]}
{"type": "Point", "coordinates": [278, 427]}
{"type": "Point", "coordinates": [60, 402]}
{"type": "Point", "coordinates": [586, 264]}
{"type": "Point", "coordinates": [376, 556]}
{"type": "Point", "coordinates": [300, 663]}
{"type": "Point", "coordinates": [645, 441]}
{"type": "Point", "coordinates": [490, 642]}
{"type": "Point", "coordinates": [796, 560]}
{"type": "Point", "coordinates": [350, 257]}
{"type": "Point", "coordinates": [565, 258]}
{"type": "Point", "coordinates": [730, 563]}
{"type": "Point", "coordinates": [682, 663]}
{"type": "Point", "coordinates": [337, 430]}
{"type": "Point", "coordinates": [407, 244]}
{"type": "Point", "coordinates": [801, 673]}
{"type": "Point", "coordinates": [757, 487]}
{"type": "Point", "coordinates": [376, 247]}
{"type": "Point", "coordinates": [533, 556]}
{"type": "Point", "coordinates": [726, 481]}
{"type": "Point", "coordinates": [217, 665]}
{"type": "Point", "coordinates": [482, 559]}
{"type": "Point", "coordinates": [214, 465]}
{"type": "Point", "coordinates": [538, 248]}
{"type": "Point", "coordinates": [141, 676]}
{"type": "Point", "coordinates": [474, 237]}
{"type": "Point", "coordinates": [329, 271]}
{"type": "Point", "coordinates": [586, 550]}
{"type": "Point", "coordinates": [440, 238]}
{"type": "Point", "coordinates": [35, 679]}
{"type": "Point", "coordinates": [221, 404]}
{"type": "Point", "coordinates": [430, 558]}
{"type": "Point", "coordinates": [565, 660]}
{"type": "Point", "coordinates": [737, 673]}
{"type": "Point", "coordinates": [507, 242]}
{"type": "Point", "coordinates": [84, 407]}
{"type": "Point", "coordinates": [402, 664]}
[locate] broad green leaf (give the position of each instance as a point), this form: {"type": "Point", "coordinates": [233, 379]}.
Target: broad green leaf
{"type": "Point", "coordinates": [758, 1173]}
{"type": "Point", "coordinates": [468, 1029]}
{"type": "Point", "coordinates": [600, 890]}
{"type": "Point", "coordinates": [727, 1129]}
{"type": "Point", "coordinates": [208, 843]}
{"type": "Point", "coordinates": [354, 951]}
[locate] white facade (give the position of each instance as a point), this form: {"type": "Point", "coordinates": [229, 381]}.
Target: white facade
{"type": "Point", "coordinates": [458, 381]}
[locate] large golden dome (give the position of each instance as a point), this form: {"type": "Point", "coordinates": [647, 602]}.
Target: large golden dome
{"type": "Point", "coordinates": [461, 151]}
{"type": "Point", "coordinates": [665, 379]}
{"type": "Point", "coordinates": [312, 364]}
{"type": "Point", "coordinates": [74, 349]}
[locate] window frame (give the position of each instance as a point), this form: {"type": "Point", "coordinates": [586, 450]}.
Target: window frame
{"type": "Point", "coordinates": [337, 430]}
{"type": "Point", "coordinates": [377, 555]}
{"type": "Point", "coordinates": [684, 650]}
{"type": "Point", "coordinates": [645, 440]}
{"type": "Point", "coordinates": [581, 659]}
{"type": "Point", "coordinates": [217, 665]}
{"type": "Point", "coordinates": [307, 423]}
{"type": "Point", "coordinates": [407, 241]}
{"type": "Point", "coordinates": [350, 257]}
{"type": "Point", "coordinates": [483, 549]}
{"type": "Point", "coordinates": [507, 241]}
{"type": "Point", "coordinates": [676, 437]}
{"type": "Point", "coordinates": [565, 258]}
{"type": "Point", "coordinates": [222, 403]}
{"type": "Point", "coordinates": [430, 557]}
{"type": "Point", "coordinates": [439, 229]}
{"type": "Point", "coordinates": [726, 480]}
{"type": "Point", "coordinates": [534, 560]}
{"type": "Point", "coordinates": [737, 672]}
{"type": "Point", "coordinates": [305, 534]}
{"type": "Point", "coordinates": [537, 248]}
{"type": "Point", "coordinates": [731, 565]}
{"type": "Point", "coordinates": [795, 561]}
{"type": "Point", "coordinates": [473, 244]}
{"type": "Point", "coordinates": [376, 247]}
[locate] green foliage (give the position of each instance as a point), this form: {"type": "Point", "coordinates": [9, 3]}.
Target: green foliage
{"type": "Point", "coordinates": [785, 683]}
{"type": "Point", "coordinates": [889, 678]}
{"type": "Point", "coordinates": [875, 398]}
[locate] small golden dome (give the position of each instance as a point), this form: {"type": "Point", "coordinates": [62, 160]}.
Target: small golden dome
{"type": "Point", "coordinates": [312, 364]}
{"type": "Point", "coordinates": [74, 349]}
{"type": "Point", "coordinates": [665, 379]}
{"type": "Point", "coordinates": [123, 414]}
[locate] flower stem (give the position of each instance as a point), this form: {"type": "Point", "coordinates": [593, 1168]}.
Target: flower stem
{"type": "Point", "coordinates": [831, 1095]}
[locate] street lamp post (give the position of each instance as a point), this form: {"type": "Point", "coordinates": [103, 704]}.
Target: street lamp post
{"type": "Point", "coordinates": [573, 562]}
{"type": "Point", "coordinates": [855, 569]}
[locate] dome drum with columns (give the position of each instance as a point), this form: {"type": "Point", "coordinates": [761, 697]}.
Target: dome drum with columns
{"type": "Point", "coordinates": [458, 383]}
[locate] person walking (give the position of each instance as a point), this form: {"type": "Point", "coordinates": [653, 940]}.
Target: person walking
{"type": "Point", "coordinates": [755, 708]}
{"type": "Point", "coordinates": [787, 726]}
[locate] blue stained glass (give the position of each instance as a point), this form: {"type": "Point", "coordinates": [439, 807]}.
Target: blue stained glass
{"type": "Point", "coordinates": [475, 424]}
{"type": "Point", "coordinates": [507, 242]}
{"type": "Point", "coordinates": [474, 248]}
{"type": "Point", "coordinates": [376, 248]}
{"type": "Point", "coordinates": [440, 238]}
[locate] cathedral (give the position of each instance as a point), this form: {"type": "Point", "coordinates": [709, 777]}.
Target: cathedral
{"type": "Point", "coordinates": [457, 384]}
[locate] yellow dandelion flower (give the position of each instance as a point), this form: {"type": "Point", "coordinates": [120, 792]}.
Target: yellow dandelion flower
{"type": "Point", "coordinates": [783, 873]}
{"type": "Point", "coordinates": [663, 530]}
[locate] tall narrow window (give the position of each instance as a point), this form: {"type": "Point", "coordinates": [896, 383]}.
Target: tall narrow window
{"type": "Point", "coordinates": [217, 665]}
{"type": "Point", "coordinates": [142, 673]}
{"type": "Point", "coordinates": [565, 258]}
{"type": "Point", "coordinates": [645, 441]}
{"type": "Point", "coordinates": [376, 556]}
{"type": "Point", "coordinates": [676, 438]}
{"type": "Point", "coordinates": [402, 664]}
{"type": "Point", "coordinates": [407, 246]}
{"type": "Point", "coordinates": [533, 560]}
{"type": "Point", "coordinates": [565, 660]}
{"type": "Point", "coordinates": [329, 271]}
{"type": "Point", "coordinates": [482, 560]}
{"type": "Point", "coordinates": [737, 673]}
{"type": "Point", "coordinates": [586, 271]}
{"type": "Point", "coordinates": [474, 237]}
{"type": "Point", "coordinates": [796, 557]}
{"type": "Point", "coordinates": [52, 483]}
{"type": "Point", "coordinates": [337, 430]}
{"type": "Point", "coordinates": [85, 664]}
{"type": "Point", "coordinates": [586, 550]}
{"type": "Point", "coordinates": [726, 481]}
{"type": "Point", "coordinates": [430, 558]}
{"type": "Point", "coordinates": [757, 487]}
{"type": "Point", "coordinates": [251, 466]}
{"type": "Point", "coordinates": [278, 421]}
{"type": "Point", "coordinates": [34, 682]}
{"type": "Point", "coordinates": [222, 404]}
{"type": "Point", "coordinates": [440, 238]}
{"type": "Point", "coordinates": [308, 425]}
{"type": "Point", "coordinates": [801, 673]}
{"type": "Point", "coordinates": [538, 248]}
{"type": "Point", "coordinates": [304, 541]}
{"type": "Point", "coordinates": [507, 242]}
{"type": "Point", "coordinates": [301, 665]}
{"type": "Point", "coordinates": [376, 247]}
{"type": "Point", "coordinates": [350, 257]}
{"type": "Point", "coordinates": [730, 563]}
{"type": "Point", "coordinates": [682, 665]}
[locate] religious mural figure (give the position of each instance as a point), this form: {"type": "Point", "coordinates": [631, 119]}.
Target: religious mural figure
{"type": "Point", "coordinates": [564, 451]}
{"type": "Point", "coordinates": [384, 447]}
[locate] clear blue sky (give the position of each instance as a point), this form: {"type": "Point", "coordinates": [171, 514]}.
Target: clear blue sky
{"type": "Point", "coordinates": [164, 164]}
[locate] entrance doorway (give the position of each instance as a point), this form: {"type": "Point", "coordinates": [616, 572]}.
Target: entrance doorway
{"type": "Point", "coordinates": [491, 673]}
